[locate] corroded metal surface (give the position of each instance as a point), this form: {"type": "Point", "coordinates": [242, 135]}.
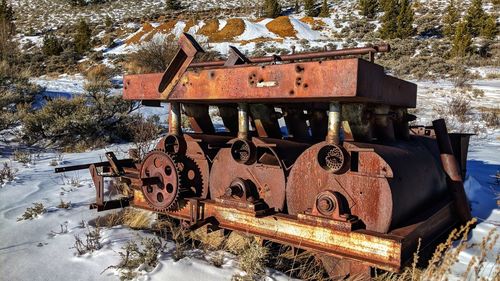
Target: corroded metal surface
{"type": "Point", "coordinates": [345, 177]}
{"type": "Point", "coordinates": [352, 80]}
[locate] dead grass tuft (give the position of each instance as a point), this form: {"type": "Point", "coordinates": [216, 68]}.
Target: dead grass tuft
{"type": "Point", "coordinates": [137, 219]}
{"type": "Point", "coordinates": [282, 27]}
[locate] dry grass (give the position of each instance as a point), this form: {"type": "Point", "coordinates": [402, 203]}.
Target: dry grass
{"type": "Point", "coordinates": [133, 218]}
{"type": "Point", "coordinates": [282, 27]}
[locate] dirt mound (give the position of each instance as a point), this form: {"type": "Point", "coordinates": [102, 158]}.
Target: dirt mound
{"type": "Point", "coordinates": [232, 29]}
{"type": "Point", "coordinates": [146, 28]}
{"type": "Point", "coordinates": [282, 27]}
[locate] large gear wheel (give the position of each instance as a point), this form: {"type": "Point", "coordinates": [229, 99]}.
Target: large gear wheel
{"type": "Point", "coordinates": [162, 195]}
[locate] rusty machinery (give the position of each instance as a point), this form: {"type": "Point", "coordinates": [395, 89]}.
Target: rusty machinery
{"type": "Point", "coordinates": [343, 175]}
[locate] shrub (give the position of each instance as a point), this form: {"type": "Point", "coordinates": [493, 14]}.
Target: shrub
{"type": "Point", "coordinates": [253, 259]}
{"type": "Point", "coordinates": [24, 157]}
{"type": "Point", "coordinates": [51, 45]}
{"type": "Point", "coordinates": [89, 119]}
{"type": "Point", "coordinates": [7, 173]}
{"type": "Point", "coordinates": [152, 56]}
{"type": "Point", "coordinates": [135, 256]}
{"type": "Point", "coordinates": [82, 37]}
{"type": "Point", "coordinates": [92, 241]}
{"type": "Point", "coordinates": [33, 212]}
{"type": "Point", "coordinates": [144, 132]}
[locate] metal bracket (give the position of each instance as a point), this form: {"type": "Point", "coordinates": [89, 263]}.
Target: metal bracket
{"type": "Point", "coordinates": [235, 57]}
{"type": "Point", "coordinates": [185, 55]}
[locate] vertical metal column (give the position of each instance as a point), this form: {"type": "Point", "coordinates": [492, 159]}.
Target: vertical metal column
{"type": "Point", "coordinates": [242, 121]}
{"type": "Point", "coordinates": [334, 116]}
{"type": "Point", "coordinates": [174, 121]}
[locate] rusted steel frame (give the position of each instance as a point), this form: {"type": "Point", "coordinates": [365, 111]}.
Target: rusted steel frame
{"type": "Point", "coordinates": [352, 80]}
{"type": "Point", "coordinates": [348, 80]}
{"type": "Point", "coordinates": [378, 250]}
{"type": "Point", "coordinates": [450, 166]}
{"type": "Point", "coordinates": [305, 56]}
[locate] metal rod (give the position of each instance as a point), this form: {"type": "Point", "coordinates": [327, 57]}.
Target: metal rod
{"type": "Point", "coordinates": [242, 121]}
{"type": "Point", "coordinates": [334, 113]}
{"type": "Point", "coordinates": [302, 56]}
{"type": "Point", "coordinates": [174, 122]}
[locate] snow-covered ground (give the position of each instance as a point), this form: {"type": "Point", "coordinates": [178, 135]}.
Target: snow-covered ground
{"type": "Point", "coordinates": [41, 249]}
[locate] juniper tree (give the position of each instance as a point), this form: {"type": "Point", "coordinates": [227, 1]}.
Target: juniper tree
{"type": "Point", "coordinates": [51, 45]}
{"type": "Point", "coordinates": [450, 20]}
{"type": "Point", "coordinates": [325, 11]}
{"type": "Point", "coordinates": [272, 8]}
{"type": "Point", "coordinates": [489, 29]}
{"type": "Point", "coordinates": [7, 29]}
{"type": "Point", "coordinates": [82, 37]}
{"type": "Point", "coordinates": [389, 20]}
{"type": "Point", "coordinates": [475, 17]}
{"type": "Point", "coordinates": [309, 8]}
{"type": "Point", "coordinates": [368, 8]}
{"type": "Point", "coordinates": [462, 41]}
{"type": "Point", "coordinates": [405, 20]}
{"type": "Point", "coordinates": [296, 8]}
{"type": "Point", "coordinates": [173, 4]}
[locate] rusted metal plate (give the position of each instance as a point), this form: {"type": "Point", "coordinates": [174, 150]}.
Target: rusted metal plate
{"type": "Point", "coordinates": [381, 251]}
{"type": "Point", "coordinates": [353, 80]}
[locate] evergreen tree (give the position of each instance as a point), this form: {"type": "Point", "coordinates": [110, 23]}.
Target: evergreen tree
{"type": "Point", "coordinates": [389, 20]}
{"type": "Point", "coordinates": [296, 7]}
{"type": "Point", "coordinates": [461, 41]}
{"type": "Point", "coordinates": [325, 11]}
{"type": "Point", "coordinates": [475, 17]}
{"type": "Point", "coordinates": [450, 19]}
{"type": "Point", "coordinates": [489, 29]}
{"type": "Point", "coordinates": [309, 8]}
{"type": "Point", "coordinates": [82, 37]}
{"type": "Point", "coordinates": [7, 30]}
{"type": "Point", "coordinates": [173, 4]}
{"type": "Point", "coordinates": [405, 20]}
{"type": "Point", "coordinates": [51, 45]}
{"type": "Point", "coordinates": [272, 8]}
{"type": "Point", "coordinates": [368, 8]}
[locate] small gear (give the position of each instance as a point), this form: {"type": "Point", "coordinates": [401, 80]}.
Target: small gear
{"type": "Point", "coordinates": [179, 177]}
{"type": "Point", "coordinates": [162, 195]}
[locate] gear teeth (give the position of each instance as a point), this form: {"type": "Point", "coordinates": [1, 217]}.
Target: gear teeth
{"type": "Point", "coordinates": [175, 203]}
